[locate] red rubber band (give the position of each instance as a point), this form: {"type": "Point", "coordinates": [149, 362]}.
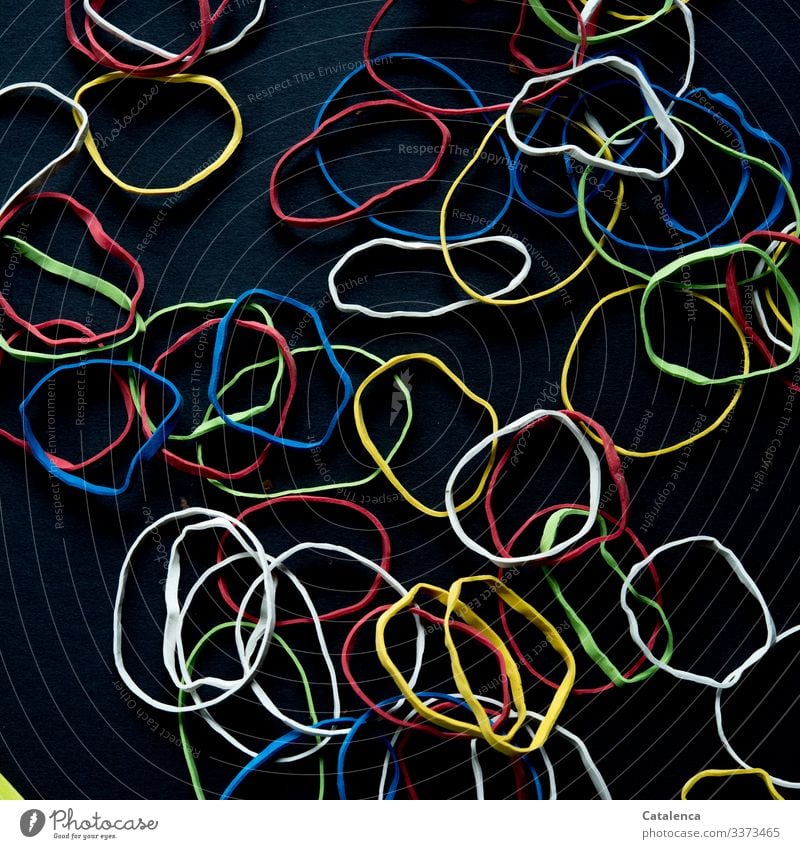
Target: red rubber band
{"type": "Point", "coordinates": [370, 202]}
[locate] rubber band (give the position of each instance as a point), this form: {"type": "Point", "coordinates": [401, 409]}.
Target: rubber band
{"type": "Point", "coordinates": [729, 773]}
{"type": "Point", "coordinates": [356, 211]}
{"type": "Point", "coordinates": [216, 368]}
{"type": "Point", "coordinates": [626, 17]}
{"type": "Point", "coordinates": [94, 284]}
{"type": "Point", "coordinates": [146, 452]}
{"type": "Point", "coordinates": [614, 467]}
{"type": "Point", "coordinates": [127, 38]}
{"type": "Point", "coordinates": [729, 252]}
{"type": "Point", "coordinates": [487, 299]}
{"type": "Point", "coordinates": [779, 782]}
{"type": "Point", "coordinates": [516, 281]}
{"type": "Point", "coordinates": [190, 662]}
{"type": "Point", "coordinates": [744, 578]}
{"type": "Point", "coordinates": [384, 565]}
{"type": "Point", "coordinates": [612, 259]}
{"type": "Point", "coordinates": [7, 791]}
{"type": "Point", "coordinates": [695, 437]}
{"type": "Point", "coordinates": [325, 487]}
{"type": "Point", "coordinates": [773, 248]}
{"type": "Point", "coordinates": [483, 727]}
{"type": "Point", "coordinates": [200, 468]}
{"type": "Point", "coordinates": [370, 65]}
{"type": "Point", "coordinates": [586, 26]}
{"type": "Point", "coordinates": [518, 424]}
{"type": "Point", "coordinates": [97, 53]}
{"type": "Point", "coordinates": [196, 79]}
{"type": "Point", "coordinates": [389, 228]}
{"type": "Point", "coordinates": [82, 122]}
{"type": "Point", "coordinates": [375, 453]}
{"type": "Point", "coordinates": [437, 622]}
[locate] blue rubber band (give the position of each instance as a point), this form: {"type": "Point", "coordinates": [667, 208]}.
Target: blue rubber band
{"type": "Point", "coordinates": [216, 371]}
{"type": "Point", "coordinates": [147, 451]}
{"type": "Point", "coordinates": [389, 228]}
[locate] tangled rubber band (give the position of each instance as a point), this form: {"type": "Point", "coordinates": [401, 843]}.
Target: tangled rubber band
{"type": "Point", "coordinates": [730, 773]}
{"type": "Point", "coordinates": [375, 453]}
{"type": "Point", "coordinates": [199, 176]}
{"type": "Point", "coordinates": [744, 578]}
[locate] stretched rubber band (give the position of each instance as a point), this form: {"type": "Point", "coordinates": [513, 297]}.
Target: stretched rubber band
{"type": "Point", "coordinates": [375, 453]}
{"type": "Point", "coordinates": [515, 283]}
{"type": "Point", "coordinates": [385, 561]}
{"type": "Point", "coordinates": [488, 299]}
{"type": "Point", "coordinates": [730, 773]}
{"type": "Point", "coordinates": [518, 424]}
{"type": "Point", "coordinates": [744, 578]}
{"type": "Point", "coordinates": [196, 79]}
{"type": "Point", "coordinates": [82, 278]}
{"type": "Point", "coordinates": [146, 452]}
{"type": "Point", "coordinates": [779, 782]}
{"type": "Point", "coordinates": [695, 437]}
{"type": "Point", "coordinates": [483, 726]}
{"type": "Point", "coordinates": [82, 121]}
{"type": "Point", "coordinates": [356, 211]}
{"type": "Point", "coordinates": [216, 368]}
{"type": "Point", "coordinates": [389, 228]}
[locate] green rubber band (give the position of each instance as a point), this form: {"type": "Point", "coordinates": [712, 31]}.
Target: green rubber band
{"type": "Point", "coordinates": [82, 278]}
{"type": "Point", "coordinates": [559, 29]}
{"type": "Point", "coordinates": [583, 633]}
{"type": "Point", "coordinates": [685, 373]}
{"type": "Point", "coordinates": [187, 749]}
{"type": "Point", "coordinates": [265, 496]}
{"type": "Point", "coordinates": [598, 245]}
{"type": "Point", "coordinates": [7, 791]}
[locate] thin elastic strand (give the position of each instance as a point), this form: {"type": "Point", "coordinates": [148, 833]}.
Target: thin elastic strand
{"type": "Point", "coordinates": [199, 176]}
{"type": "Point", "coordinates": [375, 453]}
{"type": "Point", "coordinates": [590, 8]}
{"type": "Point", "coordinates": [696, 437]}
{"type": "Point", "coordinates": [488, 299]}
{"type": "Point", "coordinates": [354, 212]}
{"type": "Point", "coordinates": [8, 792]}
{"type": "Point", "coordinates": [731, 773]}
{"type": "Point", "coordinates": [385, 561]}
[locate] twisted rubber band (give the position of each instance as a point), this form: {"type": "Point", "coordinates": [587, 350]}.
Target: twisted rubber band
{"type": "Point", "coordinates": [375, 453]}
{"type": "Point", "coordinates": [196, 79]}
{"type": "Point", "coordinates": [658, 452]}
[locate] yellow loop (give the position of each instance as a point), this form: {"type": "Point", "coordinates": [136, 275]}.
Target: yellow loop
{"type": "Point", "coordinates": [620, 16]}
{"type": "Point", "coordinates": [724, 773]}
{"type": "Point", "coordinates": [482, 728]}
{"type": "Point", "coordinates": [785, 324]}
{"type": "Point", "coordinates": [7, 791]}
{"type": "Point", "coordinates": [508, 302]}
{"type": "Point", "coordinates": [376, 454]}
{"type": "Point", "coordinates": [198, 79]}
{"type": "Point", "coordinates": [659, 452]}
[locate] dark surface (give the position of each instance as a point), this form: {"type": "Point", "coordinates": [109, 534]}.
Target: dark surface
{"type": "Point", "coordinates": [65, 729]}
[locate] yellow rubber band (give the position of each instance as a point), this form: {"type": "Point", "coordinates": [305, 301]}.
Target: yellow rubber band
{"type": "Point", "coordinates": [725, 773]}
{"type": "Point", "coordinates": [482, 728]}
{"type": "Point", "coordinates": [508, 302]}
{"type": "Point", "coordinates": [198, 79]}
{"type": "Point", "coordinates": [785, 324]}
{"type": "Point", "coordinates": [376, 454]}
{"type": "Point", "coordinates": [7, 791]}
{"type": "Point", "coordinates": [621, 16]}
{"type": "Point", "coordinates": [659, 452]}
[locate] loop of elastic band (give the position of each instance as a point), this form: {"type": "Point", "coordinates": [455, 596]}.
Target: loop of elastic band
{"type": "Point", "coordinates": [146, 452]}
{"type": "Point", "coordinates": [356, 211]}
{"type": "Point", "coordinates": [197, 79]}
{"type": "Point", "coordinates": [744, 578]}
{"type": "Point", "coordinates": [517, 425]}
{"type": "Point", "coordinates": [217, 363]}
{"type": "Point", "coordinates": [695, 437]}
{"type": "Point", "coordinates": [731, 773]}
{"type": "Point", "coordinates": [515, 283]}
{"type": "Point", "coordinates": [81, 134]}
{"type": "Point", "coordinates": [590, 9]}
{"type": "Point", "coordinates": [375, 453]}
{"type": "Point", "coordinates": [389, 228]}
{"type": "Point", "coordinates": [483, 725]}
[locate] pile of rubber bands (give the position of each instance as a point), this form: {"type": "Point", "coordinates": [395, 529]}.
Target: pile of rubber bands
{"type": "Point", "coordinates": [245, 579]}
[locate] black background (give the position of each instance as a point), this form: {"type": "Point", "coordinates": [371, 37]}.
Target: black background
{"type": "Point", "coordinates": [65, 730]}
